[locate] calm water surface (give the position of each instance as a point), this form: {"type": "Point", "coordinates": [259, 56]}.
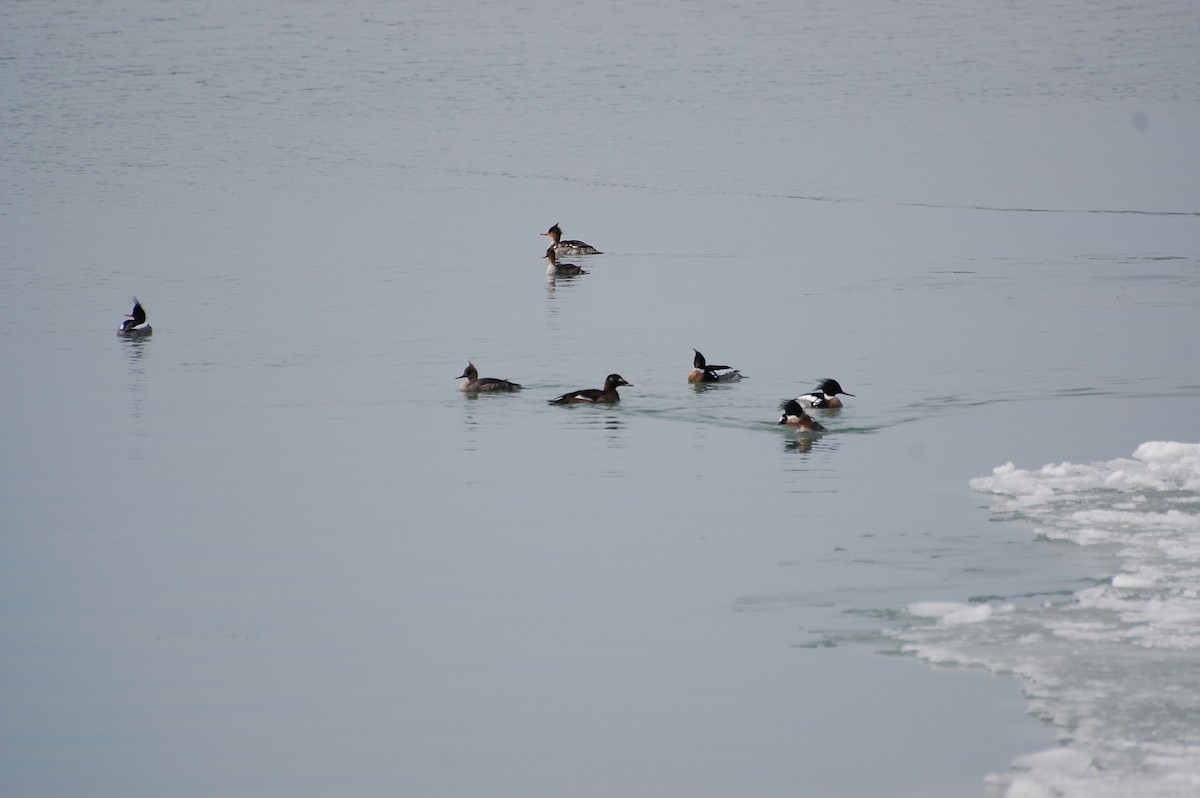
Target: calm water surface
{"type": "Point", "coordinates": [272, 549]}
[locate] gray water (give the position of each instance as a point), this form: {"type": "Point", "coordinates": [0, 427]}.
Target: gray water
{"type": "Point", "coordinates": [273, 550]}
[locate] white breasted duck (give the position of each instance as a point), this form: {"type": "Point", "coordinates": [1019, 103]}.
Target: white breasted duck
{"type": "Point", "coordinates": [556, 269]}
{"type": "Point", "coordinates": [472, 383]}
{"type": "Point", "coordinates": [135, 324]}
{"type": "Point", "coordinates": [794, 416]}
{"type": "Point", "coordinates": [568, 247]}
{"type": "Point", "coordinates": [825, 396]}
{"type": "Point", "coordinates": [702, 372]}
{"type": "Point", "coordinates": [595, 396]}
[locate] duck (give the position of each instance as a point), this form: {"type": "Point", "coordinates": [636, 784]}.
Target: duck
{"type": "Point", "coordinates": [794, 416]}
{"type": "Point", "coordinates": [556, 269]}
{"type": "Point", "coordinates": [135, 324]}
{"type": "Point", "coordinates": [702, 372]}
{"type": "Point", "coordinates": [472, 383]}
{"type": "Point", "coordinates": [595, 396]}
{"type": "Point", "coordinates": [568, 247]}
{"type": "Point", "coordinates": [825, 396]}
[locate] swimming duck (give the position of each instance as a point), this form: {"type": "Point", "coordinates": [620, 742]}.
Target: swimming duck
{"type": "Point", "coordinates": [135, 324]}
{"type": "Point", "coordinates": [702, 372]}
{"type": "Point", "coordinates": [472, 383]}
{"type": "Point", "coordinates": [556, 269]}
{"type": "Point", "coordinates": [568, 247]}
{"type": "Point", "coordinates": [825, 396]}
{"type": "Point", "coordinates": [606, 395]}
{"type": "Point", "coordinates": [794, 416]}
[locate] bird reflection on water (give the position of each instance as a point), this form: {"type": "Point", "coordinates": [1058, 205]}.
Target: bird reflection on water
{"type": "Point", "coordinates": [135, 352]}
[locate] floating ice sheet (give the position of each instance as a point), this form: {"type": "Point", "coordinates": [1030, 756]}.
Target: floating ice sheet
{"type": "Point", "coordinates": [1115, 667]}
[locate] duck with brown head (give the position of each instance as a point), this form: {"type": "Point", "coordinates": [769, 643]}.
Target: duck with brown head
{"type": "Point", "coordinates": [471, 383]}
{"type": "Point", "coordinates": [569, 247]}
{"type": "Point", "coordinates": [556, 269]}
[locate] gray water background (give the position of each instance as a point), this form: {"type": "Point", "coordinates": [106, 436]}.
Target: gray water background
{"type": "Point", "coordinates": [272, 550]}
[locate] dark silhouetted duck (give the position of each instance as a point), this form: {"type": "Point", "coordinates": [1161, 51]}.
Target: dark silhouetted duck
{"type": "Point", "coordinates": [794, 416]}
{"type": "Point", "coordinates": [702, 372]}
{"type": "Point", "coordinates": [825, 396]}
{"type": "Point", "coordinates": [556, 269]}
{"type": "Point", "coordinates": [561, 247]}
{"type": "Point", "coordinates": [472, 383]}
{"type": "Point", "coordinates": [135, 324]}
{"type": "Point", "coordinates": [594, 396]}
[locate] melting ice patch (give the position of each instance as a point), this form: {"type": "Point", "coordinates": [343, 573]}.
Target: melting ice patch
{"type": "Point", "coordinates": [1116, 666]}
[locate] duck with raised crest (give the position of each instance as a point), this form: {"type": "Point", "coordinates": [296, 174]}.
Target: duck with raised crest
{"type": "Point", "coordinates": [702, 372]}
{"type": "Point", "coordinates": [794, 416]}
{"type": "Point", "coordinates": [471, 383]}
{"type": "Point", "coordinates": [561, 247]}
{"type": "Point", "coordinates": [135, 324]}
{"type": "Point", "coordinates": [825, 397]}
